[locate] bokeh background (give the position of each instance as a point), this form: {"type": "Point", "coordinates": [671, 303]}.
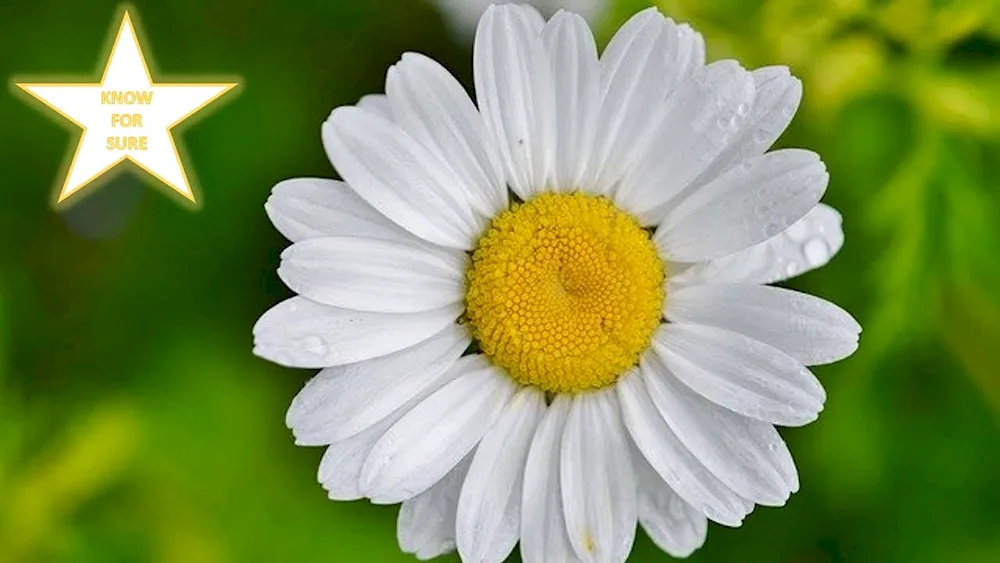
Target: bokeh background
{"type": "Point", "coordinates": [135, 425]}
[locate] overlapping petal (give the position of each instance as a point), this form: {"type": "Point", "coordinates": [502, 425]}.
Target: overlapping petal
{"type": "Point", "coordinates": [746, 205]}
{"type": "Point", "coordinates": [807, 328]}
{"type": "Point", "coordinates": [374, 275]}
{"type": "Point", "coordinates": [301, 333]}
{"type": "Point", "coordinates": [513, 77]}
{"type": "Point", "coordinates": [429, 440]}
{"type": "Point", "coordinates": [807, 244]}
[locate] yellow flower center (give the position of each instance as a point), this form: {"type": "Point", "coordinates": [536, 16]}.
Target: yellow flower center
{"type": "Point", "coordinates": [564, 292]}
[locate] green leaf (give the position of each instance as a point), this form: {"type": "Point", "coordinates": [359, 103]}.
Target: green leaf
{"type": "Point", "coordinates": [970, 324]}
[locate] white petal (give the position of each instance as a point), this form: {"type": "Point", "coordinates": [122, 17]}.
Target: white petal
{"type": "Point", "coordinates": [777, 98]}
{"type": "Point", "coordinates": [690, 57]}
{"type": "Point", "coordinates": [304, 208]}
{"type": "Point", "coordinates": [740, 373]}
{"type": "Point", "coordinates": [430, 439]}
{"type": "Point", "coordinates": [534, 18]}
{"type": "Point", "coordinates": [700, 120]}
{"type": "Point", "coordinates": [543, 526]}
{"type": "Point", "coordinates": [431, 105]}
{"type": "Point", "coordinates": [807, 328]}
{"type": "Point", "coordinates": [344, 400]}
{"type": "Point", "coordinates": [426, 523]}
{"type": "Point", "coordinates": [377, 104]}
{"type": "Point", "coordinates": [671, 460]}
{"type": "Point", "coordinates": [743, 207]}
{"type": "Point", "coordinates": [340, 469]}
{"type": "Point", "coordinates": [489, 509]}
{"type": "Point", "coordinates": [374, 275]}
{"type": "Point", "coordinates": [634, 83]}
{"type": "Point", "coordinates": [675, 526]}
{"type": "Point", "coordinates": [301, 333]}
{"type": "Point", "coordinates": [598, 482]}
{"type": "Point", "coordinates": [747, 455]}
{"type": "Point", "coordinates": [806, 245]}
{"type": "Point", "coordinates": [576, 77]}
{"type": "Point", "coordinates": [400, 178]}
{"type": "Point", "coordinates": [513, 79]}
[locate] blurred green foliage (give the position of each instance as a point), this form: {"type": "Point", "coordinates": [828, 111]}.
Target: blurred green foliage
{"type": "Point", "coordinates": [136, 426]}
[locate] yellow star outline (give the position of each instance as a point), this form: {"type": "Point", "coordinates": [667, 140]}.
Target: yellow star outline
{"type": "Point", "coordinates": [113, 128]}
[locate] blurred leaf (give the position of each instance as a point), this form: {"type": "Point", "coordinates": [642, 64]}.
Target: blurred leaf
{"type": "Point", "coordinates": [89, 457]}
{"type": "Point", "coordinates": [905, 20]}
{"type": "Point", "coordinates": [849, 67]}
{"type": "Point", "coordinates": [970, 324]}
{"type": "Point", "coordinates": [4, 340]}
{"type": "Point", "coordinates": [874, 136]}
{"type": "Point", "coordinates": [850, 434]}
{"type": "Point", "coordinates": [928, 25]}
{"type": "Point", "coordinates": [221, 452]}
{"type": "Point", "coordinates": [972, 232]}
{"type": "Point", "coordinates": [11, 417]}
{"type": "Point", "coordinates": [964, 101]}
{"type": "Point", "coordinates": [992, 24]}
{"type": "Point", "coordinates": [797, 30]}
{"type": "Point", "coordinates": [960, 18]}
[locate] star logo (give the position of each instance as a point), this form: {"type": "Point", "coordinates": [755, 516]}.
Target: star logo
{"type": "Point", "coordinates": [126, 116]}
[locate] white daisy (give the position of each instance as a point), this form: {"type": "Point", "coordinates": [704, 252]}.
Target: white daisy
{"type": "Point", "coordinates": [599, 350]}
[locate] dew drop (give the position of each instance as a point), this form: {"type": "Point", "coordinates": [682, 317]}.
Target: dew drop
{"type": "Point", "coordinates": [787, 111]}
{"type": "Point", "coordinates": [760, 137]}
{"type": "Point", "coordinates": [798, 231]}
{"type": "Point", "coordinates": [791, 269]}
{"type": "Point", "coordinates": [315, 345]}
{"type": "Point", "coordinates": [816, 251]}
{"type": "Point", "coordinates": [742, 109]}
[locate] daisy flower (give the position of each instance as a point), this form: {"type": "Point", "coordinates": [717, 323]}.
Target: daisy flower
{"type": "Point", "coordinates": [542, 317]}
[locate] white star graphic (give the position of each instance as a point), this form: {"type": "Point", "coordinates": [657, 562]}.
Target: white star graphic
{"type": "Point", "coordinates": [126, 116]}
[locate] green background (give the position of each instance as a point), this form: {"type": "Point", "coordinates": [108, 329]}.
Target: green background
{"type": "Point", "coordinates": [135, 425]}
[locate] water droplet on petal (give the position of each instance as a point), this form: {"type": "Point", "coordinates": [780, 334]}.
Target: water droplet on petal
{"type": "Point", "coordinates": [760, 136]}
{"type": "Point", "coordinates": [791, 269]}
{"type": "Point", "coordinates": [798, 231]}
{"type": "Point", "coordinates": [817, 252]}
{"type": "Point", "coordinates": [315, 345]}
{"type": "Point", "coordinates": [742, 109]}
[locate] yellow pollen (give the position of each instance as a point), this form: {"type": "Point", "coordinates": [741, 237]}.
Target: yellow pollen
{"type": "Point", "coordinates": [564, 292]}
